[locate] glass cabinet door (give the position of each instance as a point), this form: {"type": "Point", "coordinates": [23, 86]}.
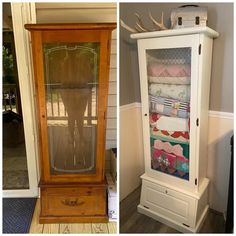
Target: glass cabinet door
{"type": "Point", "coordinates": [169, 80]}
{"type": "Point", "coordinates": [71, 89]}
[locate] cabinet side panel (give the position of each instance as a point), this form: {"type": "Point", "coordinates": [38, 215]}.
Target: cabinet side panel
{"type": "Point", "coordinates": [36, 37]}
{"type": "Point", "coordinates": [202, 204]}
{"type": "Point", "coordinates": [144, 101]}
{"type": "Point", "coordinates": [203, 104]}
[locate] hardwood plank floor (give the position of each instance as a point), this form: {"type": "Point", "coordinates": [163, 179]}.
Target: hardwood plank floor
{"type": "Point", "coordinates": [83, 228]}
{"type": "Point", "coordinates": [133, 222]}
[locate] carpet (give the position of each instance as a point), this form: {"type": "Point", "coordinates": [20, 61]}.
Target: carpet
{"type": "Point", "coordinates": [17, 214]}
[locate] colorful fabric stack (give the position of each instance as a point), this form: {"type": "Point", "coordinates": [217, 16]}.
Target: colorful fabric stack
{"type": "Point", "coordinates": [169, 105]}
{"type": "Point", "coordinates": [169, 158]}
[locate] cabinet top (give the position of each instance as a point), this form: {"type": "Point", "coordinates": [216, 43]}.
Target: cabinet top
{"type": "Point", "coordinates": [174, 32]}
{"type": "Point", "coordinates": [71, 26]}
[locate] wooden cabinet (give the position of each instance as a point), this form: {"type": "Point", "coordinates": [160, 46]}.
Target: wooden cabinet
{"type": "Point", "coordinates": [71, 69]}
{"type": "Point", "coordinates": [175, 68]}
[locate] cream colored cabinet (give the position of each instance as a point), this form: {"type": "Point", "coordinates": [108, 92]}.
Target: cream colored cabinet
{"type": "Point", "coordinates": [175, 68]}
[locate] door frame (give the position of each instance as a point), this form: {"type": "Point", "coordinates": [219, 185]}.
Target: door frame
{"type": "Point", "coordinates": [23, 13]}
{"type": "Point", "coordinates": [179, 41]}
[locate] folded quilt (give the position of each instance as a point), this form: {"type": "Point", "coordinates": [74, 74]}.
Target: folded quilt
{"type": "Point", "coordinates": [167, 147]}
{"type": "Point", "coordinates": [163, 70]}
{"type": "Point", "coordinates": [184, 146]}
{"type": "Point", "coordinates": [169, 107]}
{"type": "Point", "coordinates": [171, 124]}
{"type": "Point", "coordinates": [172, 136]}
{"type": "Point", "coordinates": [169, 80]}
{"type": "Point", "coordinates": [169, 162]}
{"type": "Point", "coordinates": [179, 92]}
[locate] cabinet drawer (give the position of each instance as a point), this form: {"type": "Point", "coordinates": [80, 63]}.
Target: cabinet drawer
{"type": "Point", "coordinates": [82, 201]}
{"type": "Point", "coordinates": [169, 203]}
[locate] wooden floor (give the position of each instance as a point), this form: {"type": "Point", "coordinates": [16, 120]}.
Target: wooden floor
{"type": "Point", "coordinates": [133, 222]}
{"type": "Point", "coordinates": [36, 228]}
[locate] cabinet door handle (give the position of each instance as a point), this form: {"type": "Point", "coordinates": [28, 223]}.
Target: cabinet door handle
{"type": "Point", "coordinates": [72, 203]}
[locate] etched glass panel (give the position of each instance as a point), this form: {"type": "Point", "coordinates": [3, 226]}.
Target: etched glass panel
{"type": "Point", "coordinates": [169, 80]}
{"type": "Point", "coordinates": [71, 86]}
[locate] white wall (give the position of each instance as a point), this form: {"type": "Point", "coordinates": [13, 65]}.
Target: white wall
{"type": "Point", "coordinates": [131, 149]}
{"type": "Point", "coordinates": [221, 125]}
{"type": "Point", "coordinates": [87, 13]}
{"type": "Point", "coordinates": [132, 160]}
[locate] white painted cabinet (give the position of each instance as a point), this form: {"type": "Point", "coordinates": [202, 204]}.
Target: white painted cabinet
{"type": "Point", "coordinates": [175, 67]}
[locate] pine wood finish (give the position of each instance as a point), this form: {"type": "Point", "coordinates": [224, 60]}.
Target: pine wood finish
{"type": "Point", "coordinates": [69, 228]}
{"type": "Point", "coordinates": [72, 197]}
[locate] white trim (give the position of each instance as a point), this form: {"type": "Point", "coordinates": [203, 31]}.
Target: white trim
{"type": "Point", "coordinates": [23, 13]}
{"type": "Point", "coordinates": [174, 32]}
{"type": "Point", "coordinates": [221, 114]}
{"type": "Point", "coordinates": [130, 106]}
{"type": "Point", "coordinates": [218, 114]}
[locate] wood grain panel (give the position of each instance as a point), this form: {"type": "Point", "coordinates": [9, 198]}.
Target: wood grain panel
{"type": "Point", "coordinates": [35, 227]}
{"type": "Point", "coordinates": [75, 228]}
{"type": "Point", "coordinates": [51, 229]}
{"type": "Point", "coordinates": [112, 227]}
{"type": "Point", "coordinates": [99, 229]}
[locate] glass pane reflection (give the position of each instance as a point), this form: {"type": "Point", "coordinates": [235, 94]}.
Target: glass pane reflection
{"type": "Point", "coordinates": [71, 86]}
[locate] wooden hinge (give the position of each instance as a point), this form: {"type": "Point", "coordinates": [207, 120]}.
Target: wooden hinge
{"type": "Point", "coordinates": [199, 49]}
{"type": "Point", "coordinates": [196, 181]}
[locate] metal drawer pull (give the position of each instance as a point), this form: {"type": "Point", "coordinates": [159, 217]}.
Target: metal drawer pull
{"type": "Point", "coordinates": [75, 202]}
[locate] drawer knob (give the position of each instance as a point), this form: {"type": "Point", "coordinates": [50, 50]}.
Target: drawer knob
{"type": "Point", "coordinates": [72, 203]}
{"type": "Point", "coordinates": [166, 191]}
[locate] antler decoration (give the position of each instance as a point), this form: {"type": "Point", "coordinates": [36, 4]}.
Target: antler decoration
{"type": "Point", "coordinates": [122, 23]}
{"type": "Point", "coordinates": [139, 26]}
{"type": "Point", "coordinates": [161, 24]}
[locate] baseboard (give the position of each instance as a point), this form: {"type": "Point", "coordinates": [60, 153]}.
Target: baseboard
{"type": "Point", "coordinates": [130, 106]}
{"type": "Point", "coordinates": [221, 114]}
